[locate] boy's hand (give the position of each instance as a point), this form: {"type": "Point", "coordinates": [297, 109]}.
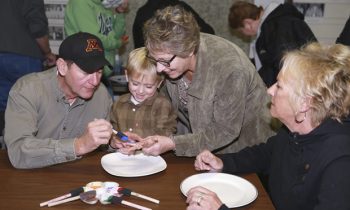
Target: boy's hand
{"type": "Point", "coordinates": [134, 143]}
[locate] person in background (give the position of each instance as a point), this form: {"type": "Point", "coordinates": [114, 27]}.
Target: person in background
{"type": "Point", "coordinates": [265, 3]}
{"type": "Point", "coordinates": [221, 101]}
{"type": "Point", "coordinates": [105, 19]}
{"type": "Point", "coordinates": [275, 29]}
{"type": "Point", "coordinates": [344, 37]}
{"type": "Point", "coordinates": [145, 13]}
{"type": "Point", "coordinates": [60, 114]}
{"type": "Point", "coordinates": [24, 44]}
{"type": "Point", "coordinates": [308, 161]}
{"type": "Point", "coordinates": [143, 111]}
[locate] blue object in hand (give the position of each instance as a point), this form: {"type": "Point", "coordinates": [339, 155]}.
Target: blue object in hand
{"type": "Point", "coordinates": [121, 135]}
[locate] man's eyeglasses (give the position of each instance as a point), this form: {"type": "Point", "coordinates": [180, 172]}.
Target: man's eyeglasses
{"type": "Point", "coordinates": [163, 62]}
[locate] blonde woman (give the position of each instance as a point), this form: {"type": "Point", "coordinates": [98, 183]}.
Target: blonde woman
{"type": "Point", "coordinates": [308, 161]}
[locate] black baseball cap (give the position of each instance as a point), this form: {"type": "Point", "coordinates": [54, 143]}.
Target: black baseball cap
{"type": "Point", "coordinates": [85, 50]}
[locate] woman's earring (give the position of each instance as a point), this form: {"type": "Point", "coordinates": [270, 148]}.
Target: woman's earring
{"type": "Point", "coordinates": [299, 120]}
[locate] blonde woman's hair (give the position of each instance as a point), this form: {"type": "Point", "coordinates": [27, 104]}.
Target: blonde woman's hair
{"type": "Point", "coordinates": [172, 30]}
{"type": "Point", "coordinates": [140, 66]}
{"type": "Point", "coordinates": [322, 74]}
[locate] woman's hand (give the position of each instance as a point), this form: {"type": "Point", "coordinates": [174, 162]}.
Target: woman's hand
{"type": "Point", "coordinates": [199, 198]}
{"type": "Point", "coordinates": [208, 161]}
{"type": "Point", "coordinates": [156, 145]}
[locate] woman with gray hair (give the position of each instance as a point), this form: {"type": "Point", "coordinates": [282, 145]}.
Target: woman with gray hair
{"type": "Point", "coordinates": [220, 99]}
{"type": "Point", "coordinates": [308, 161]}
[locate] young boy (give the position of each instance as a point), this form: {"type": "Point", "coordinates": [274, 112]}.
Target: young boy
{"type": "Point", "coordinates": [143, 111]}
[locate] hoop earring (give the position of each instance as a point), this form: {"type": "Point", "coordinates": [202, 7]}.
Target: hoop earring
{"type": "Point", "coordinates": [296, 118]}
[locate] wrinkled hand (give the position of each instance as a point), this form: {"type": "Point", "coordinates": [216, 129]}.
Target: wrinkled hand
{"type": "Point", "coordinates": [156, 145]}
{"type": "Point", "coordinates": [200, 198]}
{"type": "Point", "coordinates": [97, 132]}
{"type": "Point", "coordinates": [124, 40]}
{"type": "Point", "coordinates": [50, 59]}
{"type": "Point", "coordinates": [208, 161]}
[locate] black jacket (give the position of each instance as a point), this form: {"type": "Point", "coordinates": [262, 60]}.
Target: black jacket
{"type": "Point", "coordinates": [21, 22]}
{"type": "Point", "coordinates": [305, 171]}
{"type": "Point", "coordinates": [344, 37]}
{"type": "Point", "coordinates": [145, 13]}
{"type": "Point", "coordinates": [283, 29]}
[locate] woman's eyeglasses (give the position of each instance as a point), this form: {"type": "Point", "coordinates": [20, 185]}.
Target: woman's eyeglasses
{"type": "Point", "coordinates": [163, 62]}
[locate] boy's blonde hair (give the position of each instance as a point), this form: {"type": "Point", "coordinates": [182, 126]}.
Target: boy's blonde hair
{"type": "Point", "coordinates": [140, 66]}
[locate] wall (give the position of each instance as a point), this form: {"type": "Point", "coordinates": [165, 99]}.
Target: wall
{"type": "Point", "coordinates": [328, 26]}
{"type": "Point", "coordinates": [215, 12]}
{"type": "Point", "coordinates": [55, 14]}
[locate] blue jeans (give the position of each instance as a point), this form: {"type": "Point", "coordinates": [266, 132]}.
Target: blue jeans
{"type": "Point", "coordinates": [12, 67]}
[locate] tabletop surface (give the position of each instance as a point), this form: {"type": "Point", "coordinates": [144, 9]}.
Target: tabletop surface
{"type": "Point", "coordinates": [26, 189]}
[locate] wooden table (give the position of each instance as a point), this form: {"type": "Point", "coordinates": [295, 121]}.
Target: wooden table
{"type": "Point", "coordinates": [25, 189]}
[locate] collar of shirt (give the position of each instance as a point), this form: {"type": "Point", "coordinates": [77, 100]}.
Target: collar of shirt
{"type": "Point", "coordinates": [148, 102]}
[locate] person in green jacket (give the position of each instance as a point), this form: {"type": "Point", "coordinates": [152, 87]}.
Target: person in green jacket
{"type": "Point", "coordinates": [105, 19]}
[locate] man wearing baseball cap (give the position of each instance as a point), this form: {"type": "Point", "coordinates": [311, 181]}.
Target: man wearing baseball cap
{"type": "Point", "coordinates": [60, 114]}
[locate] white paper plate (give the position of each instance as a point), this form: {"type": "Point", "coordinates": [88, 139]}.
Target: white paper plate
{"type": "Point", "coordinates": [232, 190]}
{"type": "Point", "coordinates": [118, 164]}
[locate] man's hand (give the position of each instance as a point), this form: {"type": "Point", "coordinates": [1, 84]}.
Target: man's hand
{"type": "Point", "coordinates": [97, 132]}
{"type": "Point", "coordinates": [50, 59]}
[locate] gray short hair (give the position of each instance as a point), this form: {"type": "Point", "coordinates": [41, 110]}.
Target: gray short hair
{"type": "Point", "coordinates": [172, 30]}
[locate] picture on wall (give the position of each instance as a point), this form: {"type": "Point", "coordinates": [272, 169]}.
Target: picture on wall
{"type": "Point", "coordinates": [56, 33]}
{"type": "Point", "coordinates": [313, 10]}
{"type": "Point", "coordinates": [54, 9]}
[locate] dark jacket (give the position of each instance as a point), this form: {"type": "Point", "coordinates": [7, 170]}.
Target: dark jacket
{"type": "Point", "coordinates": [305, 171]}
{"type": "Point", "coordinates": [283, 29]}
{"type": "Point", "coordinates": [21, 22]}
{"type": "Point", "coordinates": [145, 13]}
{"type": "Point", "coordinates": [344, 37]}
